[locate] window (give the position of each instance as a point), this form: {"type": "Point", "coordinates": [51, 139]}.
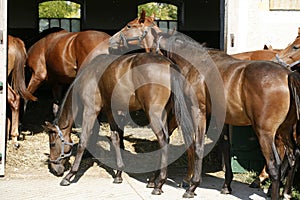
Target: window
{"type": "Point", "coordinates": [165, 14]}
{"type": "Point", "coordinates": [63, 14]}
{"type": "Point", "coordinates": [284, 5]}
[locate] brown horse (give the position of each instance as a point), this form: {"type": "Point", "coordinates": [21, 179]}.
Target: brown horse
{"type": "Point", "coordinates": [289, 56]}
{"type": "Point", "coordinates": [16, 62]}
{"type": "Point", "coordinates": [252, 91]}
{"type": "Point", "coordinates": [115, 85]}
{"type": "Point", "coordinates": [58, 57]}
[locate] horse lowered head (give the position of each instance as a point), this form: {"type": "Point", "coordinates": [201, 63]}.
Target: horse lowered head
{"type": "Point", "coordinates": [135, 33]}
{"type": "Point", "coordinates": [60, 148]}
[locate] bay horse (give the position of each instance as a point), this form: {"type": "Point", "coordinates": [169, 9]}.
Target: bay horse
{"type": "Point", "coordinates": [252, 90]}
{"type": "Point", "coordinates": [16, 62]}
{"type": "Point", "coordinates": [57, 58]}
{"type": "Point", "coordinates": [112, 85]}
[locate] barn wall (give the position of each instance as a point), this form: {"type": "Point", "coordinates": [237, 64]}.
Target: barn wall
{"type": "Point", "coordinates": [253, 25]}
{"type": "Point", "coordinates": [199, 19]}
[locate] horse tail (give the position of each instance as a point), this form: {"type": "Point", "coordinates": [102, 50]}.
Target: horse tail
{"type": "Point", "coordinates": [294, 84]}
{"type": "Point", "coordinates": [181, 110]}
{"type": "Point", "coordinates": [18, 74]}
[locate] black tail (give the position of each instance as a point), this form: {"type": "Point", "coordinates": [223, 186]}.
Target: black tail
{"type": "Point", "coordinates": [294, 84]}
{"type": "Point", "coordinates": [182, 113]}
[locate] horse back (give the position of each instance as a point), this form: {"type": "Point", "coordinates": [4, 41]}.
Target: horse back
{"type": "Point", "coordinates": [137, 81]}
{"type": "Point", "coordinates": [250, 88]}
{"type": "Point", "coordinates": [88, 44]}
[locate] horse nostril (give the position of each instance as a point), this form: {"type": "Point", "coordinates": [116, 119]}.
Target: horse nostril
{"type": "Point", "coordinates": [57, 169]}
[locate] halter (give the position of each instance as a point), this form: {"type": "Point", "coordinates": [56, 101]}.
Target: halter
{"type": "Point", "coordinates": [138, 38]}
{"type": "Point", "coordinates": [63, 143]}
{"type": "Point", "coordinates": [289, 66]}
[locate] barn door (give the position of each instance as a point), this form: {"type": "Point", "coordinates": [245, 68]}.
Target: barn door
{"type": "Point", "coordinates": [3, 64]}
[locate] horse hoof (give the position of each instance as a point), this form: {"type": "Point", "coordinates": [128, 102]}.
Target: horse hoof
{"type": "Point", "coordinates": [184, 184]}
{"type": "Point", "coordinates": [286, 197]}
{"type": "Point", "coordinates": [225, 191]}
{"type": "Point", "coordinates": [16, 146]}
{"type": "Point", "coordinates": [65, 182]}
{"type": "Point", "coordinates": [118, 180]}
{"type": "Point", "coordinates": [150, 185]}
{"type": "Point", "coordinates": [255, 184]}
{"type": "Point", "coordinates": [157, 191]}
{"type": "Point", "coordinates": [189, 194]}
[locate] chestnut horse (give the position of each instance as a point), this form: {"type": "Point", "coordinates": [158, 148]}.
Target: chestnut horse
{"type": "Point", "coordinates": [115, 85]}
{"type": "Point", "coordinates": [58, 57]}
{"type": "Point", "coordinates": [288, 57]}
{"type": "Point", "coordinates": [252, 91]}
{"type": "Point", "coordinates": [16, 63]}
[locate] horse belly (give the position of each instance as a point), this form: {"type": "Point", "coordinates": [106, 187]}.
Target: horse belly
{"type": "Point", "coordinates": [237, 118]}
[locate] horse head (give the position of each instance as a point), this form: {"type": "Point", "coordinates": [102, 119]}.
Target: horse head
{"type": "Point", "coordinates": [290, 56]}
{"type": "Point", "coordinates": [60, 148]}
{"type": "Point", "coordinates": [136, 33]}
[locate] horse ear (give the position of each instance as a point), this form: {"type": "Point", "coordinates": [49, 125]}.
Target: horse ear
{"type": "Point", "coordinates": [173, 31]}
{"type": "Point", "coordinates": [154, 33]}
{"type": "Point", "coordinates": [142, 17]}
{"type": "Point", "coordinates": [265, 47]}
{"type": "Point", "coordinates": [48, 126]}
{"type": "Point", "coordinates": [152, 17]}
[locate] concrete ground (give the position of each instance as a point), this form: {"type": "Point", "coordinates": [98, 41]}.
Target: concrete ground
{"type": "Point", "coordinates": [97, 183]}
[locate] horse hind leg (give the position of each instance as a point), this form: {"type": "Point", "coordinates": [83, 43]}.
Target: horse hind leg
{"type": "Point", "coordinates": [14, 102]}
{"type": "Point", "coordinates": [117, 134]}
{"type": "Point", "coordinates": [260, 179]}
{"type": "Point", "coordinates": [225, 145]}
{"type": "Point", "coordinates": [158, 124]}
{"type": "Point", "coordinates": [273, 160]}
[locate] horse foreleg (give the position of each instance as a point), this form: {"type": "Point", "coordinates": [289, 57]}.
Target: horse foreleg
{"type": "Point", "coordinates": [89, 118]}
{"type": "Point", "coordinates": [225, 146]}
{"type": "Point", "coordinates": [14, 102]}
{"type": "Point", "coordinates": [33, 85]}
{"type": "Point", "coordinates": [57, 92]}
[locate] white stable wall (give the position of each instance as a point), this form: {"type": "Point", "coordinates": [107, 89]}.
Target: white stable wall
{"type": "Point", "coordinates": [253, 24]}
{"type": "Point", "coordinates": [3, 71]}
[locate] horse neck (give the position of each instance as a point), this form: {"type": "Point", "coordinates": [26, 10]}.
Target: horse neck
{"type": "Point", "coordinates": [64, 118]}
{"type": "Point", "coordinates": [184, 65]}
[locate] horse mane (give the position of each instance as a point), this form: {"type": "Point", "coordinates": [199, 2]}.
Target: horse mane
{"type": "Point", "coordinates": [43, 34]}
{"type": "Point", "coordinates": [60, 108]}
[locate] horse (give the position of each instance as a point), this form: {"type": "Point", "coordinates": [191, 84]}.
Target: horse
{"type": "Point", "coordinates": [16, 62]}
{"type": "Point", "coordinates": [115, 85]}
{"type": "Point", "coordinates": [58, 56]}
{"type": "Point", "coordinates": [288, 57]}
{"type": "Point", "coordinates": [252, 91]}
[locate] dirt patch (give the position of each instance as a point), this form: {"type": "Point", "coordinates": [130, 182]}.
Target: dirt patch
{"type": "Point", "coordinates": [32, 156]}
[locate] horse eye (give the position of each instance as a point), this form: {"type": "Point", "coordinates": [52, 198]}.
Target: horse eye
{"type": "Point", "coordinates": [128, 26]}
{"type": "Point", "coordinates": [296, 47]}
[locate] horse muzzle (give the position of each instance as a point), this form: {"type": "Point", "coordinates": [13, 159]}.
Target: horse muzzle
{"type": "Point", "coordinates": [57, 169]}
